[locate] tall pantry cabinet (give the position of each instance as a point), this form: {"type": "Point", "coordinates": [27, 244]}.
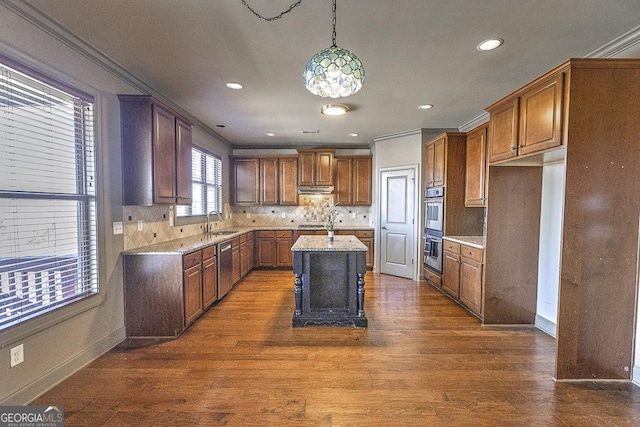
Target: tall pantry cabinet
{"type": "Point", "coordinates": [587, 110]}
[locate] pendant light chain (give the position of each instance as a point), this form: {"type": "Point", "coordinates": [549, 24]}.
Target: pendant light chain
{"type": "Point", "coordinates": [273, 18]}
{"type": "Point", "coordinates": [334, 24]}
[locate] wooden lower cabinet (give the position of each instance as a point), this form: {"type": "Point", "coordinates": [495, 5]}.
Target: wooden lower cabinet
{"type": "Point", "coordinates": [273, 248]}
{"type": "Point", "coordinates": [462, 275]}
{"type": "Point", "coordinates": [366, 237]}
{"type": "Point", "coordinates": [235, 256]}
{"type": "Point", "coordinates": [246, 253]}
{"type": "Point", "coordinates": [165, 293]}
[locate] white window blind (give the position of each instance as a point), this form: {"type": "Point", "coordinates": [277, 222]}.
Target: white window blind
{"type": "Point", "coordinates": [206, 184]}
{"type": "Point", "coordinates": [48, 255]}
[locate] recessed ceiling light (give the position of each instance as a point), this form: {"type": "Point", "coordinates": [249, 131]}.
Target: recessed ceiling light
{"type": "Point", "coordinates": [309, 131]}
{"type": "Point", "coordinates": [489, 44]}
{"type": "Point", "coordinates": [270, 134]}
{"type": "Point", "coordinates": [220, 125]}
{"type": "Point", "coordinates": [234, 85]}
{"type": "Point", "coordinates": [334, 110]}
{"type": "Point", "coordinates": [354, 134]}
{"type": "Point", "coordinates": [425, 107]}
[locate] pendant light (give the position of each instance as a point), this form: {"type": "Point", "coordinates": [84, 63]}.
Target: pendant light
{"type": "Point", "coordinates": [334, 72]}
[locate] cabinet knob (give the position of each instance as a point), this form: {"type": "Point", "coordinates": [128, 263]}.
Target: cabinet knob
{"type": "Point", "coordinates": [513, 148]}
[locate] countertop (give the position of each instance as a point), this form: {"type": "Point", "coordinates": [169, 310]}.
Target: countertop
{"type": "Point", "coordinates": [193, 243]}
{"type": "Point", "coordinates": [322, 243]}
{"type": "Point", "coordinates": [475, 241]}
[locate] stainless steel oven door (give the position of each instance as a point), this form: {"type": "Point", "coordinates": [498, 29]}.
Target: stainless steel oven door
{"type": "Point", "coordinates": [434, 213]}
{"type": "Point", "coordinates": [433, 253]}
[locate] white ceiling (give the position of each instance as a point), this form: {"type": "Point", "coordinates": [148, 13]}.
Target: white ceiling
{"type": "Point", "coordinates": [413, 51]}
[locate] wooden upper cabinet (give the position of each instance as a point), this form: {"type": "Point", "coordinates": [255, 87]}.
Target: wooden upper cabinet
{"type": "Point", "coordinates": [264, 181]}
{"type": "Point", "coordinates": [246, 181]}
{"type": "Point", "coordinates": [352, 181]}
{"type": "Point", "coordinates": [528, 121]}
{"type": "Point", "coordinates": [503, 131]}
{"type": "Point", "coordinates": [269, 181]}
{"type": "Point", "coordinates": [343, 181]}
{"type": "Point", "coordinates": [435, 162]}
{"type": "Point", "coordinates": [541, 116]}
{"type": "Point", "coordinates": [183, 163]}
{"type": "Point", "coordinates": [476, 166]}
{"type": "Point", "coordinates": [156, 153]}
{"type": "Point", "coordinates": [288, 181]}
{"type": "Point", "coordinates": [315, 167]}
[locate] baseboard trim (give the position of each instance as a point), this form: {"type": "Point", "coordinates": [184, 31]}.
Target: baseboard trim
{"type": "Point", "coordinates": [635, 375]}
{"type": "Point", "coordinates": [38, 387]}
{"type": "Point", "coordinates": [546, 325]}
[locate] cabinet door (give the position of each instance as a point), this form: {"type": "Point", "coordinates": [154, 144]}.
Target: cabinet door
{"type": "Point", "coordinates": [324, 168]}
{"type": "Point", "coordinates": [164, 155]}
{"type": "Point", "coordinates": [266, 252]}
{"type": "Point", "coordinates": [368, 242]}
{"type": "Point", "coordinates": [475, 174]}
{"type": "Point", "coordinates": [541, 116]}
{"type": "Point", "coordinates": [192, 293]}
{"type": "Point", "coordinates": [245, 262]}
{"type": "Point", "coordinates": [451, 274]}
{"type": "Point", "coordinates": [209, 281]}
{"type": "Point", "coordinates": [343, 185]}
{"type": "Point", "coordinates": [283, 252]}
{"type": "Point", "coordinates": [362, 181]}
{"type": "Point", "coordinates": [183, 163]}
{"type": "Point", "coordinates": [439, 153]}
{"type": "Point", "coordinates": [503, 131]}
{"type": "Point", "coordinates": [246, 182]}
{"type": "Point", "coordinates": [235, 261]}
{"type": "Point", "coordinates": [288, 181]}
{"type": "Point", "coordinates": [268, 181]}
{"type": "Point", "coordinates": [471, 285]}
{"type": "Point", "coordinates": [306, 168]}
{"type": "Point", "coordinates": [429, 155]}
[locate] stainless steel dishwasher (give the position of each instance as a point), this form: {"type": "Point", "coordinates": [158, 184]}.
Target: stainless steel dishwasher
{"type": "Point", "coordinates": [225, 268]}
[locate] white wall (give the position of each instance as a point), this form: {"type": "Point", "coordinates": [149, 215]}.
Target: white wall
{"type": "Point", "coordinates": [550, 244]}
{"type": "Point", "coordinates": [53, 351]}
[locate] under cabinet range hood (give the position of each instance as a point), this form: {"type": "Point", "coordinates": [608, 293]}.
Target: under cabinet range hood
{"type": "Point", "coordinates": [315, 189]}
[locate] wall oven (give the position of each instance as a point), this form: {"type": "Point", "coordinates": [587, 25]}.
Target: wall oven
{"type": "Point", "coordinates": [433, 250]}
{"type": "Point", "coordinates": [434, 209]}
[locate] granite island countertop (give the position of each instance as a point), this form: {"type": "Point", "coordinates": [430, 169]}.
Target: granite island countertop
{"type": "Point", "coordinates": [322, 243]}
{"type": "Point", "coordinates": [474, 241]}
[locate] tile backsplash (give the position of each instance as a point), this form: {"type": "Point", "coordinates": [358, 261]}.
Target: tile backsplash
{"type": "Point", "coordinates": [157, 228]}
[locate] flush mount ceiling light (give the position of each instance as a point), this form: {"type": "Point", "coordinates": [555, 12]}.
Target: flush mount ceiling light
{"type": "Point", "coordinates": [334, 110]}
{"type": "Point", "coordinates": [425, 107]}
{"type": "Point", "coordinates": [333, 72]}
{"type": "Point", "coordinates": [234, 85]}
{"type": "Point", "coordinates": [489, 44]}
{"type": "Point", "coordinates": [270, 134]}
{"type": "Point", "coordinates": [354, 134]}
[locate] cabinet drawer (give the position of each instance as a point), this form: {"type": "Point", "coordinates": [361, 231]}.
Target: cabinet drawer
{"type": "Point", "coordinates": [236, 242]}
{"type": "Point", "coordinates": [432, 277]}
{"type": "Point", "coordinates": [451, 246]}
{"type": "Point", "coordinates": [266, 233]}
{"type": "Point", "coordinates": [471, 253]}
{"type": "Point", "coordinates": [189, 260]}
{"type": "Point", "coordinates": [208, 252]}
{"type": "Point", "coordinates": [364, 233]}
{"type": "Point", "coordinates": [284, 233]}
{"type": "Point", "coordinates": [243, 237]}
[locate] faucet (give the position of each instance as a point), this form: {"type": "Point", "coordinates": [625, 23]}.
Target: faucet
{"type": "Point", "coordinates": [208, 227]}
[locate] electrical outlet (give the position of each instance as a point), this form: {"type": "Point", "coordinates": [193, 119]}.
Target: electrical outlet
{"type": "Point", "coordinates": [283, 215]}
{"type": "Point", "coordinates": [117, 227]}
{"type": "Point", "coordinates": [248, 215]}
{"type": "Point", "coordinates": [140, 225]}
{"type": "Point", "coordinates": [17, 355]}
{"type": "Point", "coordinates": [353, 215]}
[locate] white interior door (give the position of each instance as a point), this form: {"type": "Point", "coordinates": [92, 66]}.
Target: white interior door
{"type": "Point", "coordinates": [397, 228]}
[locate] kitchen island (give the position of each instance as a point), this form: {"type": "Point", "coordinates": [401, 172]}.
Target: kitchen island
{"type": "Point", "coordinates": [329, 281]}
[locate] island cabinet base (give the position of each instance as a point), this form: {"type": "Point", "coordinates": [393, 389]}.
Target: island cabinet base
{"type": "Point", "coordinates": [329, 288]}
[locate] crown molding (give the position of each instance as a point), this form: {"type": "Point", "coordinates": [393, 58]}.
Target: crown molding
{"type": "Point", "coordinates": [54, 29]}
{"type": "Point", "coordinates": [617, 45]}
{"type": "Point", "coordinates": [474, 123]}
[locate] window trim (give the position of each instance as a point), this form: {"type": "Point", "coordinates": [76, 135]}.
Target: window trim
{"type": "Point", "coordinates": [64, 313]}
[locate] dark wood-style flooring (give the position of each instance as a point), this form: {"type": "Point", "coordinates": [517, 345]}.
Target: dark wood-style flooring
{"type": "Point", "coordinates": [423, 361]}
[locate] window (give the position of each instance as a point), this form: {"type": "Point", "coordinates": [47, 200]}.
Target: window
{"type": "Point", "coordinates": [206, 184]}
{"type": "Point", "coordinates": [48, 256]}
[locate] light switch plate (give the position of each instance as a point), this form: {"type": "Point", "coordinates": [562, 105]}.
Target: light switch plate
{"type": "Point", "coordinates": [117, 227]}
{"type": "Point", "coordinates": [140, 225]}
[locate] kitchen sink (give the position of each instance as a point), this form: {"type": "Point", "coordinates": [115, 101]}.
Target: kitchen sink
{"type": "Point", "coordinates": [221, 233]}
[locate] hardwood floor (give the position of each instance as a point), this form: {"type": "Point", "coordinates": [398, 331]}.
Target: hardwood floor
{"type": "Point", "coordinates": [423, 361]}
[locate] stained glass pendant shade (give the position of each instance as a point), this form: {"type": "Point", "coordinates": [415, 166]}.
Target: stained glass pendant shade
{"type": "Point", "coordinates": [334, 72]}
